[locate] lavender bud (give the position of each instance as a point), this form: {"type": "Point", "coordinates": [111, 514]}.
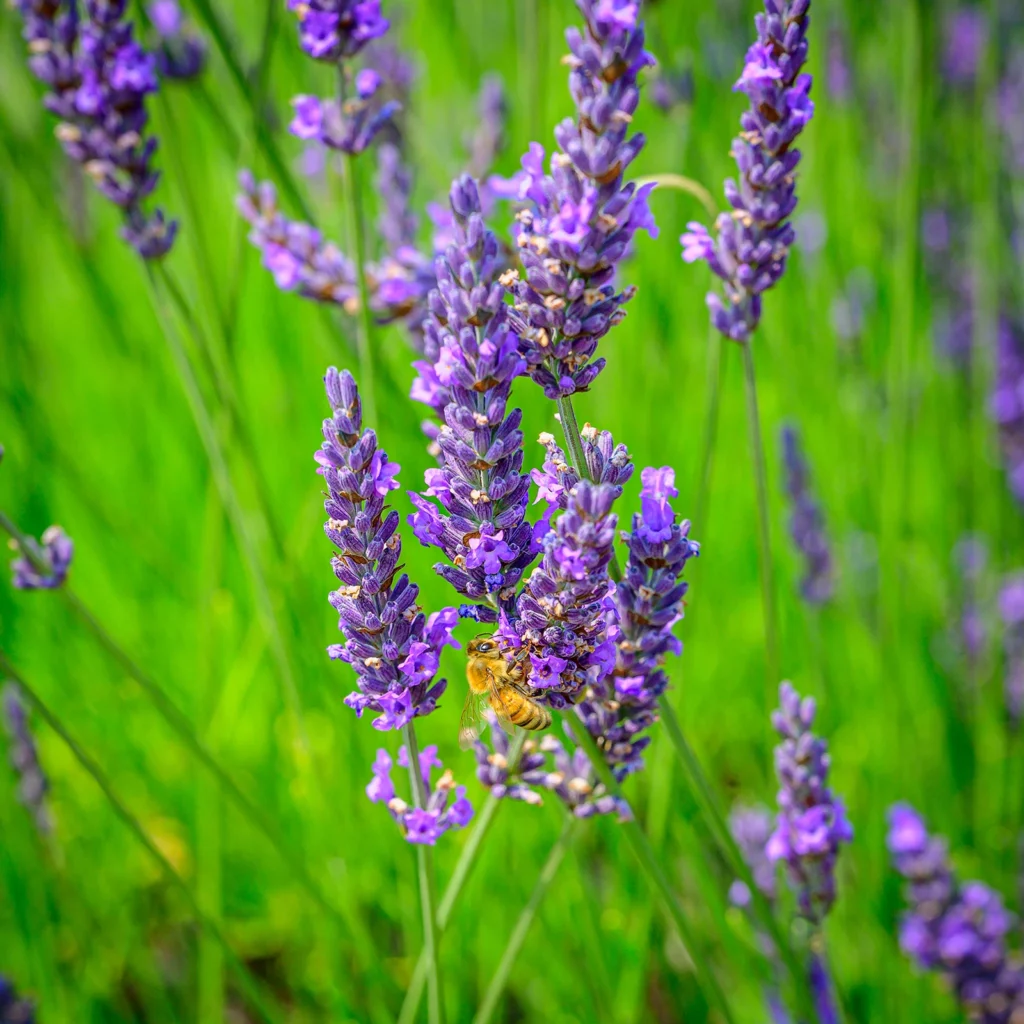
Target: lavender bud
{"type": "Point", "coordinates": [56, 551]}
{"type": "Point", "coordinates": [180, 53]}
{"type": "Point", "coordinates": [331, 30]}
{"type": "Point", "coordinates": [495, 773]}
{"type": "Point", "coordinates": [753, 241]}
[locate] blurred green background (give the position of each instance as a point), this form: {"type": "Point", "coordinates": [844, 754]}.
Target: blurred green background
{"type": "Point", "coordinates": [100, 439]}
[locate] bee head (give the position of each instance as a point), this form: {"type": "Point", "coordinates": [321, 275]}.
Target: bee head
{"type": "Point", "coordinates": [482, 645]}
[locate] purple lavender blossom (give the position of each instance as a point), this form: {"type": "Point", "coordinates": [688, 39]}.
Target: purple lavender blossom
{"type": "Point", "coordinates": [334, 30]}
{"type": "Point", "coordinates": [965, 36]}
{"type": "Point", "coordinates": [33, 784]}
{"type": "Point", "coordinates": [807, 523]}
{"type": "Point", "coordinates": [481, 526]}
{"type": "Point", "coordinates": [752, 827]}
{"type": "Point", "coordinates": [647, 604]}
{"type": "Point", "coordinates": [1006, 403]}
{"type": "Point", "coordinates": [559, 617]}
{"type": "Point", "coordinates": [1010, 109]}
{"type": "Point", "coordinates": [581, 217]}
{"type": "Point", "coordinates": [99, 77]}
{"type": "Point", "coordinates": [56, 552]}
{"type": "Point", "coordinates": [1011, 612]}
{"type": "Point", "coordinates": [505, 781]}
{"type": "Point", "coordinates": [606, 462]}
{"type": "Point", "coordinates": [12, 1009]}
{"type": "Point", "coordinates": [573, 780]}
{"type": "Point", "coordinates": [295, 253]}
{"type": "Point", "coordinates": [180, 53]}
{"type": "Point", "coordinates": [811, 822]}
{"type": "Point", "coordinates": [957, 929]}
{"type": "Point", "coordinates": [753, 241]}
{"type": "Point", "coordinates": [348, 127]}
{"type": "Point", "coordinates": [838, 74]}
{"type": "Point", "coordinates": [392, 646]}
{"type": "Point", "coordinates": [421, 825]}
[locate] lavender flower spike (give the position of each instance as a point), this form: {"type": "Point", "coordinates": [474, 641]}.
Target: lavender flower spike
{"type": "Point", "coordinates": [753, 241]}
{"type": "Point", "coordinates": [99, 77]}
{"type": "Point", "coordinates": [332, 30]}
{"type": "Point", "coordinates": [32, 782]}
{"type": "Point", "coordinates": [581, 215]}
{"type": "Point", "coordinates": [1006, 404]}
{"type": "Point", "coordinates": [1011, 611]}
{"type": "Point", "coordinates": [957, 929]}
{"type": "Point", "coordinates": [806, 523]}
{"type": "Point", "coordinates": [493, 770]}
{"type": "Point", "coordinates": [56, 551]}
{"type": "Point", "coordinates": [480, 484]}
{"type": "Point", "coordinates": [425, 825]}
{"type": "Point", "coordinates": [560, 614]}
{"type": "Point", "coordinates": [811, 822]}
{"type": "Point", "coordinates": [392, 646]}
{"type": "Point", "coordinates": [180, 54]}
{"type": "Point", "coordinates": [647, 604]}
{"type": "Point", "coordinates": [12, 1009]}
{"type": "Point", "coordinates": [752, 827]}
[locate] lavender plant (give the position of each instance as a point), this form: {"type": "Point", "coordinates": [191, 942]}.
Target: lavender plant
{"type": "Point", "coordinates": [180, 52]}
{"type": "Point", "coordinates": [99, 77]}
{"type": "Point", "coordinates": [56, 551]}
{"type": "Point", "coordinates": [753, 242]}
{"type": "Point", "coordinates": [1011, 612]}
{"type": "Point", "coordinates": [811, 823]}
{"type": "Point", "coordinates": [1006, 403]}
{"type": "Point", "coordinates": [956, 929]}
{"type": "Point", "coordinates": [14, 1010]}
{"type": "Point", "coordinates": [33, 785]}
{"type": "Point", "coordinates": [806, 523]}
{"type": "Point", "coordinates": [582, 215]}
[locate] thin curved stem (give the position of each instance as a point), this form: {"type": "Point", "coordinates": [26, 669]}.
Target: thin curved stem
{"type": "Point", "coordinates": [425, 873]}
{"type": "Point", "coordinates": [522, 926]}
{"type": "Point", "coordinates": [771, 625]}
{"type": "Point", "coordinates": [683, 184]}
{"type": "Point", "coordinates": [249, 984]}
{"type": "Point", "coordinates": [713, 391]}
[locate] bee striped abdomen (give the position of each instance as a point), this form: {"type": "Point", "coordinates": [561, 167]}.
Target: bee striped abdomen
{"type": "Point", "coordinates": [520, 710]}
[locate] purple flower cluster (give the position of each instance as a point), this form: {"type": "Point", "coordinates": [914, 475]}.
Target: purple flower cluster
{"type": "Point", "coordinates": [334, 30]}
{"type": "Point", "coordinates": [811, 822]}
{"type": "Point", "coordinates": [647, 603]}
{"type": "Point", "coordinates": [806, 523]}
{"type": "Point", "coordinates": [99, 77]}
{"type": "Point", "coordinates": [560, 615]}
{"type": "Point", "coordinates": [958, 929]}
{"type": "Point", "coordinates": [752, 827]}
{"type": "Point", "coordinates": [606, 462]}
{"type": "Point", "coordinates": [295, 253]}
{"type": "Point", "coordinates": [580, 217]}
{"type": "Point", "coordinates": [517, 781]}
{"type": "Point", "coordinates": [348, 126]}
{"type": "Point", "coordinates": [12, 1009]}
{"type": "Point", "coordinates": [1011, 612]}
{"type": "Point", "coordinates": [180, 53]}
{"type": "Point", "coordinates": [421, 825]}
{"type": "Point", "coordinates": [1006, 403]}
{"type": "Point", "coordinates": [479, 484]}
{"type": "Point", "coordinates": [965, 37]}
{"type": "Point", "coordinates": [754, 239]}
{"type": "Point", "coordinates": [393, 648]}
{"type": "Point", "coordinates": [32, 782]}
{"type": "Point", "coordinates": [56, 551]}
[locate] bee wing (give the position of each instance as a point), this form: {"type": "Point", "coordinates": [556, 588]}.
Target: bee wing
{"type": "Point", "coordinates": [471, 722]}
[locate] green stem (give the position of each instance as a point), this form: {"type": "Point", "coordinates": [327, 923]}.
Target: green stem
{"type": "Point", "coordinates": [248, 983]}
{"type": "Point", "coordinates": [425, 871]}
{"type": "Point", "coordinates": [715, 820]}
{"type": "Point", "coordinates": [713, 393]}
{"type": "Point", "coordinates": [656, 876]}
{"type": "Point", "coordinates": [468, 859]}
{"type": "Point", "coordinates": [522, 926]}
{"type": "Point", "coordinates": [764, 531]}
{"type": "Point", "coordinates": [357, 230]}
{"type": "Point", "coordinates": [683, 184]}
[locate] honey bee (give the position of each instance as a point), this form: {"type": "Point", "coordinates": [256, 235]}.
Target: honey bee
{"type": "Point", "coordinates": [494, 680]}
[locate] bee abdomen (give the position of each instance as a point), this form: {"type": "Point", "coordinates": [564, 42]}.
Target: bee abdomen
{"type": "Point", "coordinates": [532, 716]}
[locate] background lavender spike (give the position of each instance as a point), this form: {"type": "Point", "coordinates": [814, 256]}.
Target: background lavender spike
{"type": "Point", "coordinates": [958, 930]}
{"type": "Point", "coordinates": [180, 52]}
{"type": "Point", "coordinates": [333, 30]}
{"type": "Point", "coordinates": [99, 78]}
{"type": "Point", "coordinates": [520, 783]}
{"type": "Point", "coordinates": [1011, 612]}
{"type": "Point", "coordinates": [1006, 403]}
{"type": "Point", "coordinates": [33, 784]}
{"type": "Point", "coordinates": [811, 823]}
{"type": "Point", "coordinates": [752, 827]}
{"type": "Point", "coordinates": [647, 603]}
{"type": "Point", "coordinates": [392, 646]}
{"type": "Point", "coordinates": [572, 779]}
{"type": "Point", "coordinates": [489, 138]}
{"type": "Point", "coordinates": [582, 216]}
{"type": "Point", "coordinates": [14, 1010]}
{"type": "Point", "coordinates": [483, 493]}
{"type": "Point", "coordinates": [56, 550]}
{"type": "Point", "coordinates": [753, 241]}
{"type": "Point", "coordinates": [423, 826]}
{"type": "Point", "coordinates": [559, 617]}
{"type": "Point", "coordinates": [807, 523]}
